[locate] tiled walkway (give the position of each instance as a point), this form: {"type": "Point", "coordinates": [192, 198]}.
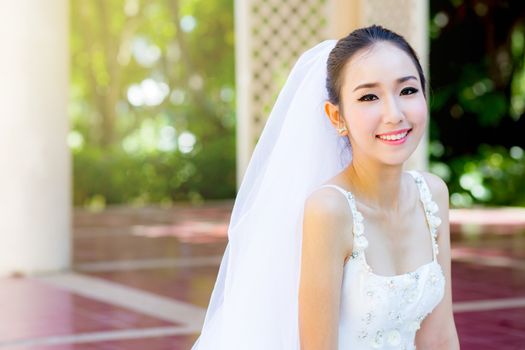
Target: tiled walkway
{"type": "Point", "coordinates": [142, 279]}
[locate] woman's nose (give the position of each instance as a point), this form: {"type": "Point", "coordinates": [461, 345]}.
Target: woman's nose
{"type": "Point", "coordinates": [392, 112]}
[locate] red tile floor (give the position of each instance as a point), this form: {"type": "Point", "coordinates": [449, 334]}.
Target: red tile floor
{"type": "Point", "coordinates": [142, 279]}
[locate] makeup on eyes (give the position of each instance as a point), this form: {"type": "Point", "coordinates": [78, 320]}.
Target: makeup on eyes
{"type": "Point", "coordinates": [398, 81]}
{"type": "Point", "coordinates": [366, 98]}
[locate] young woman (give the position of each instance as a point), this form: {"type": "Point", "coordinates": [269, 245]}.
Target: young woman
{"type": "Point", "coordinates": [332, 245]}
{"type": "Point", "coordinates": [371, 273]}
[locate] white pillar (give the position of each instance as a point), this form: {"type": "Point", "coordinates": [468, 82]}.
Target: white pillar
{"type": "Point", "coordinates": [243, 77]}
{"type": "Point", "coordinates": [35, 161]}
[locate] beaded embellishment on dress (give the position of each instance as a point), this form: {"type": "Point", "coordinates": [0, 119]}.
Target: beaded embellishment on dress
{"type": "Point", "coordinates": [386, 311]}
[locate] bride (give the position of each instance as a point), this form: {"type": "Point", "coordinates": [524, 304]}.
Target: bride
{"type": "Point", "coordinates": [332, 245]}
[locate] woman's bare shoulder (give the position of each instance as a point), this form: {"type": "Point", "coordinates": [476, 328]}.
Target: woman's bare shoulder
{"type": "Point", "coordinates": [328, 218]}
{"type": "Point", "coordinates": [437, 186]}
{"type": "Point", "coordinates": [322, 259]}
{"type": "Point", "coordinates": [329, 204]}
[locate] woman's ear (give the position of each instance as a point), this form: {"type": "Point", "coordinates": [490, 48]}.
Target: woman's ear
{"type": "Point", "coordinates": [336, 118]}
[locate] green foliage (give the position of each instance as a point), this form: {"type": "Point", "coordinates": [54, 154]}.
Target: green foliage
{"type": "Point", "coordinates": [493, 176]}
{"type": "Point", "coordinates": [152, 104]}
{"type": "Point", "coordinates": [473, 92]}
{"type": "Point", "coordinates": [477, 78]}
{"type": "Point", "coordinates": [113, 177]}
{"type": "Point", "coordinates": [518, 79]}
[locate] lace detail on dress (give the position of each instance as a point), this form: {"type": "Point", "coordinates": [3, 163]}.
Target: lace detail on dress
{"type": "Point", "coordinates": [360, 241]}
{"type": "Point", "coordinates": [431, 208]}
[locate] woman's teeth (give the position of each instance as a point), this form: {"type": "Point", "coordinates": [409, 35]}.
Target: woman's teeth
{"type": "Point", "coordinates": [393, 137]}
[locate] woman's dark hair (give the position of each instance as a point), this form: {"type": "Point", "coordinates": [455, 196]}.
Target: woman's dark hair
{"type": "Point", "coordinates": [359, 39]}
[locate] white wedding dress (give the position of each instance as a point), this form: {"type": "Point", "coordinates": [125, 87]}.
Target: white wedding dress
{"type": "Point", "coordinates": [385, 312]}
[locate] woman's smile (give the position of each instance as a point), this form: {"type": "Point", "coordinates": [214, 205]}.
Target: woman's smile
{"type": "Point", "coordinates": [394, 138]}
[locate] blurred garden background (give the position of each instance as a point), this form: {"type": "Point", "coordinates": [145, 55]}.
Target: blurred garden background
{"type": "Point", "coordinates": [477, 80]}
{"type": "Point", "coordinates": [153, 101]}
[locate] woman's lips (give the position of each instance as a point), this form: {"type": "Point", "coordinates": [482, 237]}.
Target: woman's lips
{"type": "Point", "coordinates": [396, 141]}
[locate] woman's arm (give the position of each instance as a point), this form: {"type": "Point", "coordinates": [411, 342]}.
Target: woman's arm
{"type": "Point", "coordinates": [326, 228]}
{"type": "Point", "coordinates": [438, 330]}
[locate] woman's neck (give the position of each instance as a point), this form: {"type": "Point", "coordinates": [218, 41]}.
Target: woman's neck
{"type": "Point", "coordinates": [375, 185]}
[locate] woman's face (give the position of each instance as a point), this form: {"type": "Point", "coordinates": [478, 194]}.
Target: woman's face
{"type": "Point", "coordinates": [381, 94]}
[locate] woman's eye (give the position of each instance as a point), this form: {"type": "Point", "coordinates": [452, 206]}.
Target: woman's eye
{"type": "Point", "coordinates": [368, 97]}
{"type": "Point", "coordinates": [409, 91]}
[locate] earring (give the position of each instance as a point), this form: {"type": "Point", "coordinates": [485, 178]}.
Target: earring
{"type": "Point", "coordinates": [341, 130]}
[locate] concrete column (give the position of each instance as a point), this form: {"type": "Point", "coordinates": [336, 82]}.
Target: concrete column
{"type": "Point", "coordinates": [35, 161]}
{"type": "Point", "coordinates": [244, 92]}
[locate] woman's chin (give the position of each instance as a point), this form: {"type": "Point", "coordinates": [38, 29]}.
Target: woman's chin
{"type": "Point", "coordinates": [395, 159]}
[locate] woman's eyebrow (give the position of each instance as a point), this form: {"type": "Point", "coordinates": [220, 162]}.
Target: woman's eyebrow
{"type": "Point", "coordinates": [370, 85]}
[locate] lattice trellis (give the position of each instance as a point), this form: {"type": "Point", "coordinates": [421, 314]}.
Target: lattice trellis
{"type": "Point", "coordinates": [395, 15]}
{"type": "Point", "coordinates": [279, 32]}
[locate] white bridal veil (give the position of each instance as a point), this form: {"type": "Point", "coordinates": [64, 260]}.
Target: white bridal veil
{"type": "Point", "coordinates": [254, 304]}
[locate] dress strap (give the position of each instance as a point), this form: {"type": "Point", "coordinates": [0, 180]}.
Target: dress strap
{"type": "Point", "coordinates": [359, 241]}
{"type": "Point", "coordinates": [344, 192]}
{"type": "Point", "coordinates": [430, 207]}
